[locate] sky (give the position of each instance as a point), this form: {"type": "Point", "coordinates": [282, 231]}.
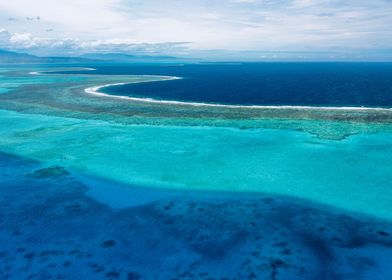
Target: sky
{"type": "Point", "coordinates": [232, 29]}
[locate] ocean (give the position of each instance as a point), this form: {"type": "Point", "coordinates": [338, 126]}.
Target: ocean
{"type": "Point", "coordinates": [95, 186]}
{"type": "Point", "coordinates": [298, 84]}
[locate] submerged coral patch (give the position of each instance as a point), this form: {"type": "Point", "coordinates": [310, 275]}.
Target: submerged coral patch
{"type": "Point", "coordinates": [194, 236]}
{"type": "Point", "coordinates": [52, 171]}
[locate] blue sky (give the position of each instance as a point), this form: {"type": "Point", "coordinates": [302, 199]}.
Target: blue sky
{"type": "Point", "coordinates": [254, 29]}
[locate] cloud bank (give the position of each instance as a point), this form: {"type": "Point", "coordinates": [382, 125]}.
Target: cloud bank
{"type": "Point", "coordinates": [26, 42]}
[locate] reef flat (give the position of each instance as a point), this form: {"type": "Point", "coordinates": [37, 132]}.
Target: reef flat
{"type": "Point", "coordinates": [66, 96]}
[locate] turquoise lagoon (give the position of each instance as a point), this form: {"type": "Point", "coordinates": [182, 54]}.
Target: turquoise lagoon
{"type": "Point", "coordinates": [104, 187]}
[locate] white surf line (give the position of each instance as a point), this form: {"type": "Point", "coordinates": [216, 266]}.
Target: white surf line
{"type": "Point", "coordinates": [96, 91]}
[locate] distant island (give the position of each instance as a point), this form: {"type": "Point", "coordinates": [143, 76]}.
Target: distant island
{"type": "Point", "coordinates": [9, 57]}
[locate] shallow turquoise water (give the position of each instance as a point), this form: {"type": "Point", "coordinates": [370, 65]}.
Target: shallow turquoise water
{"type": "Point", "coordinates": [297, 198]}
{"type": "Point", "coordinates": [353, 173]}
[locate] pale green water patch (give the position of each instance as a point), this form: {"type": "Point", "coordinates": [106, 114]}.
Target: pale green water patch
{"type": "Point", "coordinates": [13, 78]}
{"type": "Point", "coordinates": [353, 173]}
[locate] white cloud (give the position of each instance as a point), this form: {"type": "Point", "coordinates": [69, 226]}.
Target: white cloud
{"type": "Point", "coordinates": [48, 46]}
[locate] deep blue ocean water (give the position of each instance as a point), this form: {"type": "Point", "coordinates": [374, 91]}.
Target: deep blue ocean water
{"type": "Point", "coordinates": [312, 84]}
